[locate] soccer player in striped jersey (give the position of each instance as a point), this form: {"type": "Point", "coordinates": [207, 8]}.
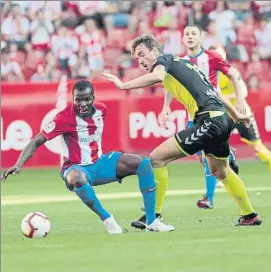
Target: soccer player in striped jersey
{"type": "Point", "coordinates": [251, 135]}
{"type": "Point", "coordinates": [81, 125]}
{"type": "Point", "coordinates": [211, 63]}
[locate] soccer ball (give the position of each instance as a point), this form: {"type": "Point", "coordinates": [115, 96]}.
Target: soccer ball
{"type": "Point", "coordinates": [35, 225]}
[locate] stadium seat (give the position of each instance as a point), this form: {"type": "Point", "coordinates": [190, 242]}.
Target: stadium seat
{"type": "Point", "coordinates": [246, 37]}
{"type": "Point", "coordinates": [260, 68]}
{"type": "Point", "coordinates": [111, 56]}
{"type": "Point", "coordinates": [131, 73]}
{"type": "Point", "coordinates": [265, 85]}
{"type": "Point", "coordinates": [209, 6]}
{"type": "Point", "coordinates": [111, 53]}
{"type": "Point", "coordinates": [118, 37]}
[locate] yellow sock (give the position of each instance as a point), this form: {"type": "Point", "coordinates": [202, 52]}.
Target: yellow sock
{"type": "Point", "coordinates": [161, 179]}
{"type": "Point", "coordinates": [236, 188]}
{"type": "Point", "coordinates": [263, 153]}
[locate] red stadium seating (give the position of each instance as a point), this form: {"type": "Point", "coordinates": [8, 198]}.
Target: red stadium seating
{"type": "Point", "coordinates": [265, 85]}
{"type": "Point", "coordinates": [260, 68]}
{"type": "Point", "coordinates": [246, 37]}
{"type": "Point", "coordinates": [118, 37]}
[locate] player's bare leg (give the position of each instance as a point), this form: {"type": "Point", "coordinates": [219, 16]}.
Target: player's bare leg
{"type": "Point", "coordinates": [236, 188]}
{"type": "Point", "coordinates": [165, 153]}
{"type": "Point", "coordinates": [78, 182]}
{"type": "Point", "coordinates": [261, 151]}
{"type": "Point", "coordinates": [251, 136]}
{"type": "Point", "coordinates": [129, 164]}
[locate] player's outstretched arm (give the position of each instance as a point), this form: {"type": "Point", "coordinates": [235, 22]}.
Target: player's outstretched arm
{"type": "Point", "coordinates": [237, 116]}
{"type": "Point", "coordinates": [164, 114]}
{"type": "Point", "coordinates": [156, 76]}
{"type": "Point", "coordinates": [25, 155]}
{"type": "Point", "coordinates": [168, 97]}
{"type": "Point", "coordinates": [240, 89]}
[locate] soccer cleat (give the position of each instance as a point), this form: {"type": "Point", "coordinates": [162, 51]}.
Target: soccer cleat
{"type": "Point", "coordinates": [159, 226]}
{"type": "Point", "coordinates": [249, 220]}
{"type": "Point", "coordinates": [141, 222]}
{"type": "Point", "coordinates": [112, 226]}
{"type": "Point", "coordinates": [204, 203]}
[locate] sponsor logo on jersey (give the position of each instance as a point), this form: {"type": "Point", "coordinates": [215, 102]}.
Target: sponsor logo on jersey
{"type": "Point", "coordinates": [50, 127]}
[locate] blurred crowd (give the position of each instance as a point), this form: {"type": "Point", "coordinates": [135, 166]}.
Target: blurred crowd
{"type": "Point", "coordinates": [42, 40]}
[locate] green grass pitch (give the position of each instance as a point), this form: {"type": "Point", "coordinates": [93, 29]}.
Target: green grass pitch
{"type": "Point", "coordinates": [204, 240]}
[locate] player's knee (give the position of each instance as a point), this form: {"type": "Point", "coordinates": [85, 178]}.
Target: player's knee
{"type": "Point", "coordinates": [155, 161]}
{"type": "Point", "coordinates": [76, 179]}
{"type": "Point", "coordinates": [220, 172]}
{"type": "Point", "coordinates": [144, 167]}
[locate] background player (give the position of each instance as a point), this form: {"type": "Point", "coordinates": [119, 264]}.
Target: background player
{"type": "Point", "coordinates": [250, 135]}
{"type": "Point", "coordinates": [211, 63]}
{"type": "Point", "coordinates": [81, 124]}
{"type": "Point", "coordinates": [212, 126]}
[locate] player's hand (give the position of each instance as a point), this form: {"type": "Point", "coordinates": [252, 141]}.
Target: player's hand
{"type": "Point", "coordinates": [241, 107]}
{"type": "Point", "coordinates": [163, 117]}
{"type": "Point", "coordinates": [114, 79]}
{"type": "Point", "coordinates": [242, 118]}
{"type": "Point", "coordinates": [11, 171]}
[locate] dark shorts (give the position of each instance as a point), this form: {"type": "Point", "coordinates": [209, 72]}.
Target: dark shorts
{"type": "Point", "coordinates": [250, 134]}
{"type": "Point", "coordinates": [210, 134]}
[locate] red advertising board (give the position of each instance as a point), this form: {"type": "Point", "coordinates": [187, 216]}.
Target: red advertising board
{"type": "Point", "coordinates": [131, 125]}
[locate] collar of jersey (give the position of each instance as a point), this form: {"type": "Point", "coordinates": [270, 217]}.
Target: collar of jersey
{"type": "Point", "coordinates": [201, 52]}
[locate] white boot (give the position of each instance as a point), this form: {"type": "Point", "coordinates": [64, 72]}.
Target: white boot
{"type": "Point", "coordinates": [159, 226]}
{"type": "Point", "coordinates": [112, 226]}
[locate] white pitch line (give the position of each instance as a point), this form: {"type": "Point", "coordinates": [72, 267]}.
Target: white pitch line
{"type": "Point", "coordinates": [20, 200]}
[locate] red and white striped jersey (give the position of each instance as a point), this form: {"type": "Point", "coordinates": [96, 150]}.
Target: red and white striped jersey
{"type": "Point", "coordinates": [210, 63]}
{"type": "Point", "coordinates": [82, 137]}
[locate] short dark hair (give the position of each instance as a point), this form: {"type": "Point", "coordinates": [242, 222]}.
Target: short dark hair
{"type": "Point", "coordinates": [196, 26]}
{"type": "Point", "coordinates": [149, 41]}
{"type": "Point", "coordinates": [81, 85]}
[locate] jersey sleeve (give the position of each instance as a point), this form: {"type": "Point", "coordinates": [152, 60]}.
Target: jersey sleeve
{"type": "Point", "coordinates": [102, 107]}
{"type": "Point", "coordinates": [54, 128]}
{"type": "Point", "coordinates": [220, 64]}
{"type": "Point", "coordinates": [162, 60]}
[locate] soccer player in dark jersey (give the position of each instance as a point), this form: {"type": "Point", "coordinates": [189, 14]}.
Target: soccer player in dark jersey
{"type": "Point", "coordinates": [227, 79]}
{"type": "Point", "coordinates": [210, 63]}
{"type": "Point", "coordinates": [81, 125]}
{"type": "Point", "coordinates": [188, 85]}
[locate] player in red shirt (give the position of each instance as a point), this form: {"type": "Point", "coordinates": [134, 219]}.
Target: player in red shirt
{"type": "Point", "coordinates": [210, 63]}
{"type": "Point", "coordinates": [81, 125]}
